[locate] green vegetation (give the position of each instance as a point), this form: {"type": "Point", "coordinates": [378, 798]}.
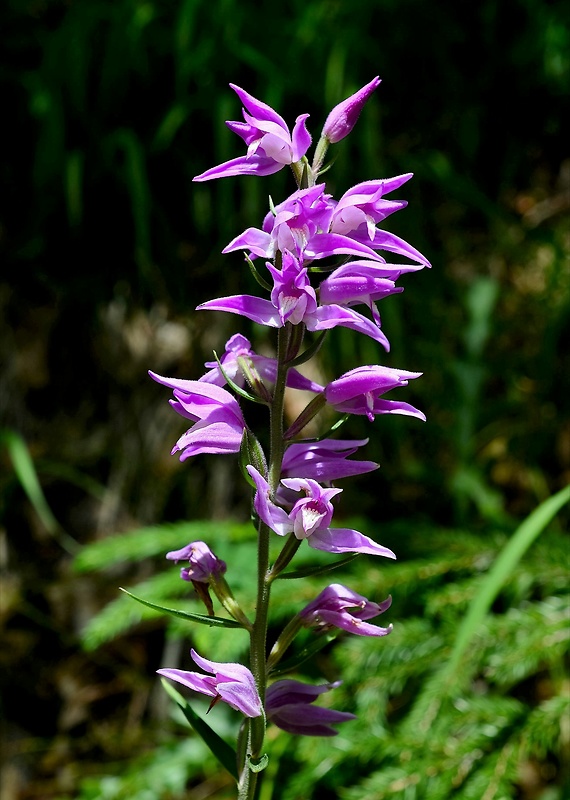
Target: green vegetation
{"type": "Point", "coordinates": [107, 246]}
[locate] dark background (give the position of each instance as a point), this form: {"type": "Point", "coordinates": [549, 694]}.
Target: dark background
{"type": "Point", "coordinates": [110, 108]}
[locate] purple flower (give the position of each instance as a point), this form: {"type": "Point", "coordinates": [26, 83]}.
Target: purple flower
{"type": "Point", "coordinates": [294, 300]}
{"type": "Point", "coordinates": [358, 392]}
{"type": "Point", "coordinates": [357, 282]}
{"type": "Point", "coordinates": [364, 203]}
{"type": "Point", "coordinates": [232, 683]}
{"type": "Point", "coordinates": [362, 207]}
{"type": "Point", "coordinates": [287, 704]}
{"type": "Point", "coordinates": [330, 609]}
{"type": "Point", "coordinates": [312, 225]}
{"type": "Point", "coordinates": [342, 118]}
{"type": "Point", "coordinates": [219, 422]}
{"type": "Point", "coordinates": [292, 294]}
{"type": "Point", "coordinates": [270, 145]}
{"type": "Point", "coordinates": [300, 224]}
{"type": "Point", "coordinates": [324, 461]}
{"type": "Point", "coordinates": [310, 517]}
{"type": "Point", "coordinates": [203, 563]}
{"type": "Point", "coordinates": [238, 347]}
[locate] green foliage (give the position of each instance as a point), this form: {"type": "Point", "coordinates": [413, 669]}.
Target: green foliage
{"type": "Point", "coordinates": [475, 743]}
{"type": "Point", "coordinates": [165, 589]}
{"type": "Point", "coordinates": [162, 773]}
{"type": "Point", "coordinates": [419, 734]}
{"type": "Point", "coordinates": [223, 752]}
{"type": "Point", "coordinates": [155, 540]}
{"type": "Point", "coordinates": [106, 245]}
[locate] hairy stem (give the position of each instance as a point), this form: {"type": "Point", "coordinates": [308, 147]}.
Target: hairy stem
{"type": "Point", "coordinates": [258, 637]}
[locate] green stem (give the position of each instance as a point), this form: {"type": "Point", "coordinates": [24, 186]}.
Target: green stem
{"type": "Point", "coordinates": [276, 446]}
{"type": "Point", "coordinates": [258, 636]}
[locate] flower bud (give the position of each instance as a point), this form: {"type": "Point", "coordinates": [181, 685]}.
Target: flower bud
{"type": "Point", "coordinates": [342, 118]}
{"type": "Point", "coordinates": [203, 564]}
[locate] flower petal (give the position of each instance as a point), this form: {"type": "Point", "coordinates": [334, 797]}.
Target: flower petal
{"type": "Point", "coordinates": [193, 680]}
{"type": "Point", "coordinates": [259, 242]}
{"type": "Point", "coordinates": [394, 244]}
{"type": "Point", "coordinates": [323, 245]}
{"type": "Point", "coordinates": [254, 308]}
{"type": "Point", "coordinates": [255, 164]}
{"type": "Point", "coordinates": [257, 108]}
{"type": "Point", "coordinates": [326, 317]}
{"type": "Point", "coordinates": [273, 516]}
{"type": "Point", "coordinates": [301, 138]}
{"type": "Point", "coordinates": [345, 540]}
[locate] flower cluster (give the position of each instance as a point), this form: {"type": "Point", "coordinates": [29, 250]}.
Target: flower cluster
{"type": "Point", "coordinates": [321, 258]}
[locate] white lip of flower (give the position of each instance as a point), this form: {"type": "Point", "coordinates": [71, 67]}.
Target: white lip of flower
{"type": "Point", "coordinates": [307, 521]}
{"type": "Point", "coordinates": [292, 308]}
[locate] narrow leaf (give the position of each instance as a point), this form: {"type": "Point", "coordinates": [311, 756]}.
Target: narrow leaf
{"type": "Point", "coordinates": [221, 749]}
{"type": "Point", "coordinates": [219, 622]}
{"type": "Point", "coordinates": [28, 478]}
{"type": "Point", "coordinates": [309, 352]}
{"type": "Point", "coordinates": [305, 653]}
{"type": "Point", "coordinates": [238, 389]}
{"type": "Point", "coordinates": [506, 562]}
{"type": "Point", "coordinates": [257, 275]}
{"type": "Point", "coordinates": [306, 572]}
{"type": "Point", "coordinates": [27, 475]}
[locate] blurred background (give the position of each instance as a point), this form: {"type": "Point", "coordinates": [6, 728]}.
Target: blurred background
{"type": "Point", "coordinates": [111, 107]}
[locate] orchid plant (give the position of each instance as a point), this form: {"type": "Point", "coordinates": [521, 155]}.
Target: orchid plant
{"type": "Point", "coordinates": [315, 259]}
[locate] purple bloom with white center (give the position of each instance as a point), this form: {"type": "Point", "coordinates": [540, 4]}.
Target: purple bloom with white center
{"type": "Point", "coordinates": [239, 347]}
{"type": "Point", "coordinates": [340, 607]}
{"type": "Point", "coordinates": [219, 422]}
{"type": "Point", "coordinates": [232, 683]}
{"type": "Point", "coordinates": [362, 207]}
{"type": "Point", "coordinates": [312, 225]}
{"type": "Point", "coordinates": [288, 705]}
{"type": "Point", "coordinates": [203, 563]}
{"type": "Point", "coordinates": [300, 224]}
{"type": "Point", "coordinates": [294, 300]}
{"type": "Point", "coordinates": [270, 145]}
{"type": "Point", "coordinates": [349, 285]}
{"type": "Point", "coordinates": [310, 517]}
{"type": "Point", "coordinates": [292, 293]}
{"type": "Point", "coordinates": [358, 392]}
{"type": "Point", "coordinates": [342, 118]}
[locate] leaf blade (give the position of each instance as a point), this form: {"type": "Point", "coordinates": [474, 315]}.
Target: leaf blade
{"type": "Point", "coordinates": [203, 619]}
{"type": "Point", "coordinates": [220, 748]}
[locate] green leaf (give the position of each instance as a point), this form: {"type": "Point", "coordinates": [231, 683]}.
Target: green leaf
{"type": "Point", "coordinates": [309, 352]}
{"type": "Point", "coordinates": [306, 572]}
{"type": "Point", "coordinates": [305, 653]}
{"type": "Point", "coordinates": [507, 560]}
{"type": "Point", "coordinates": [238, 389]}
{"type": "Point", "coordinates": [445, 683]}
{"type": "Point", "coordinates": [27, 475]}
{"type": "Point", "coordinates": [28, 478]}
{"type": "Point", "coordinates": [256, 274]}
{"type": "Point", "coordinates": [221, 749]}
{"type": "Point", "coordinates": [219, 622]}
